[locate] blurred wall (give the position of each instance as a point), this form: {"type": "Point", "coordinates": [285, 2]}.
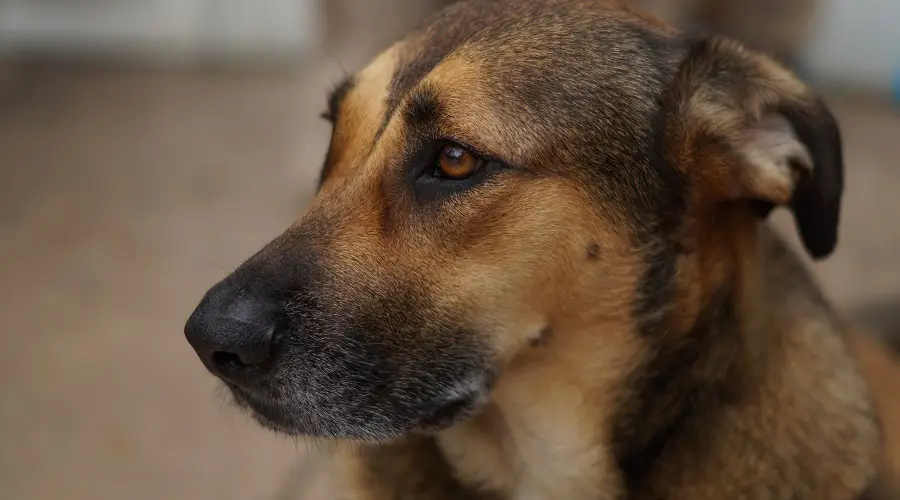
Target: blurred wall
{"type": "Point", "coordinates": [853, 42]}
{"type": "Point", "coordinates": [160, 30]}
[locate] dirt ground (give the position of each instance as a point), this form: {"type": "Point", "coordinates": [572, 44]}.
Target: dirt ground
{"type": "Point", "coordinates": [125, 194]}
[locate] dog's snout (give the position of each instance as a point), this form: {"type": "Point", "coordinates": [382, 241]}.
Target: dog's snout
{"type": "Point", "coordinates": [233, 329]}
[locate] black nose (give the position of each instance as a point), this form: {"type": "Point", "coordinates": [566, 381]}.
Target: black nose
{"type": "Point", "coordinates": [233, 329]}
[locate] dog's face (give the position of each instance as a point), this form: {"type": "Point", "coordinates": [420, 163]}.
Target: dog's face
{"type": "Point", "coordinates": [508, 173]}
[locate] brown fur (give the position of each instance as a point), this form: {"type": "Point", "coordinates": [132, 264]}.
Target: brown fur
{"type": "Point", "coordinates": [606, 313]}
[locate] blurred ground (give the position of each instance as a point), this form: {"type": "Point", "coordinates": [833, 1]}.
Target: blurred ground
{"type": "Point", "coordinates": [125, 194]}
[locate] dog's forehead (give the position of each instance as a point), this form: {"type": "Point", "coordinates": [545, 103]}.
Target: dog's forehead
{"type": "Point", "coordinates": [567, 84]}
{"type": "Point", "coordinates": [547, 65]}
{"type": "Point", "coordinates": [555, 37]}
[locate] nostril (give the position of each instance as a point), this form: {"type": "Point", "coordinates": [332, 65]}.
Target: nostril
{"type": "Point", "coordinates": [228, 362]}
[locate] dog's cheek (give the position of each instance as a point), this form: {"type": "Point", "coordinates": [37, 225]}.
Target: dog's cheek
{"type": "Point", "coordinates": [547, 253]}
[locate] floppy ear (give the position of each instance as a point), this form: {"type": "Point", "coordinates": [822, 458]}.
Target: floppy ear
{"type": "Point", "coordinates": [741, 127]}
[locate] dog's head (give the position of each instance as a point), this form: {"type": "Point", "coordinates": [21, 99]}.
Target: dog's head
{"type": "Point", "coordinates": [508, 174]}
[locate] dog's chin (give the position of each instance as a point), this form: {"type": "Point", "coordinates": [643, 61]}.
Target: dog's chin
{"type": "Point", "coordinates": [440, 413]}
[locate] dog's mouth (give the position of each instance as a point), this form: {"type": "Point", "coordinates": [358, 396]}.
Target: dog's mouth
{"type": "Point", "coordinates": [447, 411]}
{"type": "Point", "coordinates": [271, 414]}
{"type": "Point", "coordinates": [380, 422]}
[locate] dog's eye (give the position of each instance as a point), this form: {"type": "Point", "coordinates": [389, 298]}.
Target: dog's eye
{"type": "Point", "coordinates": [444, 168]}
{"type": "Point", "coordinates": [456, 162]}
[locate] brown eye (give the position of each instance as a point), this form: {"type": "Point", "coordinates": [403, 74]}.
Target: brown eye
{"type": "Point", "coordinates": [456, 162]}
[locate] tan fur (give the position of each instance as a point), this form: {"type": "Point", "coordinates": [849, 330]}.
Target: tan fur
{"type": "Point", "coordinates": [358, 125]}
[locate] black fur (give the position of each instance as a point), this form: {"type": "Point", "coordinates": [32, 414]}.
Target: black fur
{"type": "Point", "coordinates": [677, 392]}
{"type": "Point", "coordinates": [817, 200]}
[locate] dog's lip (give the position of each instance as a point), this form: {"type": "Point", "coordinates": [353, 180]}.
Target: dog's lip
{"type": "Point", "coordinates": [267, 412]}
{"type": "Point", "coordinates": [447, 412]}
{"type": "Point", "coordinates": [456, 403]}
{"type": "Point", "coordinates": [459, 403]}
{"type": "Point", "coordinates": [437, 415]}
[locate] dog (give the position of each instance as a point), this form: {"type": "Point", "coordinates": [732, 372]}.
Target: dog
{"type": "Point", "coordinates": [538, 267]}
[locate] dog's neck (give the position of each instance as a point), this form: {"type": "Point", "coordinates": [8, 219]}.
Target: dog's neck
{"type": "Point", "coordinates": [756, 397]}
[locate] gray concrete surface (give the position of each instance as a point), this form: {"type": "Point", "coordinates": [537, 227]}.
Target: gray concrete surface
{"type": "Point", "coordinates": [124, 195]}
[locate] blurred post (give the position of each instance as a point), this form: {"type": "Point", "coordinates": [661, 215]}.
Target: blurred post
{"type": "Point", "coordinates": [357, 30]}
{"type": "Point", "coordinates": [778, 27]}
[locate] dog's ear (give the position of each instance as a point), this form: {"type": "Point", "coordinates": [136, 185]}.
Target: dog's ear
{"type": "Point", "coordinates": [741, 127]}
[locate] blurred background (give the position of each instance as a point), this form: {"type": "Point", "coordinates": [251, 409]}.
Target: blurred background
{"type": "Point", "coordinates": [148, 146]}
